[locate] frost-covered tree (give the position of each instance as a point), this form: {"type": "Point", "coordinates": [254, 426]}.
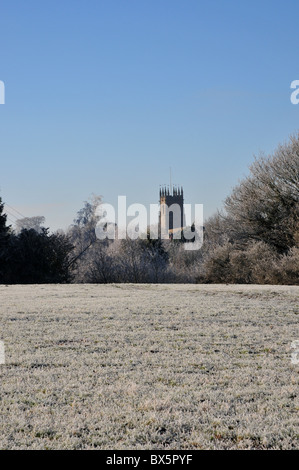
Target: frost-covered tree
{"type": "Point", "coordinates": [265, 205]}
{"type": "Point", "coordinates": [28, 223]}
{"type": "Point", "coordinates": [82, 235]}
{"type": "Point", "coordinates": [82, 231]}
{"type": "Point", "coordinates": [255, 239]}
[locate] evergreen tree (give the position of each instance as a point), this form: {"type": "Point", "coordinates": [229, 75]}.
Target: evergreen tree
{"type": "Point", "coordinates": [4, 230]}
{"type": "Point", "coordinates": [37, 258]}
{"type": "Point", "coordinates": [4, 239]}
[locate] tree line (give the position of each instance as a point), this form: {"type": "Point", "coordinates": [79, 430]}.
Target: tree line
{"type": "Point", "coordinates": [253, 239]}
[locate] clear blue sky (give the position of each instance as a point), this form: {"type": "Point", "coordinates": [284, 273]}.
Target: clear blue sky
{"type": "Point", "coordinates": [104, 96]}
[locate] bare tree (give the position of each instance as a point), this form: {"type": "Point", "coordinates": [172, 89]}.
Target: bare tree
{"type": "Point", "coordinates": [103, 264]}
{"type": "Point", "coordinates": [265, 205]}
{"type": "Point", "coordinates": [82, 235]}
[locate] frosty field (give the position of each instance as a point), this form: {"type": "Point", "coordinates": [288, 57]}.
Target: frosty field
{"type": "Point", "coordinates": [149, 367]}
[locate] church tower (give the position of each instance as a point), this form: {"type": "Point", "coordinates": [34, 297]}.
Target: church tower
{"type": "Point", "coordinates": [171, 216]}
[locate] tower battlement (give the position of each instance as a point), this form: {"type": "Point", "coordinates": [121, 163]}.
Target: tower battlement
{"type": "Point", "coordinates": [173, 191]}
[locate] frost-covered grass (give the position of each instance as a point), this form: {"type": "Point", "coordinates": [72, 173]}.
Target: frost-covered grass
{"type": "Point", "coordinates": [149, 367]}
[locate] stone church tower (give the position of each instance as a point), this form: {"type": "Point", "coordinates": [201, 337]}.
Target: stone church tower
{"type": "Point", "coordinates": [171, 216]}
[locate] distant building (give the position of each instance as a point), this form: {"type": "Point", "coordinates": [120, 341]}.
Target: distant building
{"type": "Point", "coordinates": [171, 215]}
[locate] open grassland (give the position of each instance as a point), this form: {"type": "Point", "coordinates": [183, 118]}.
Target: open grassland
{"type": "Point", "coordinates": [149, 367]}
